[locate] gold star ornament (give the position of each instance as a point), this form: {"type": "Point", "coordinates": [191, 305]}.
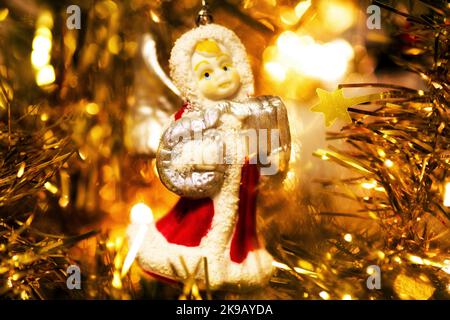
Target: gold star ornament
{"type": "Point", "coordinates": [334, 105]}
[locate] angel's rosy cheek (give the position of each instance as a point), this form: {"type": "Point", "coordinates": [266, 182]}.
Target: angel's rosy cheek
{"type": "Point", "coordinates": [207, 86]}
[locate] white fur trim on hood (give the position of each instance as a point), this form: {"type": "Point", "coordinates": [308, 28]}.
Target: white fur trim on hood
{"type": "Point", "coordinates": [181, 69]}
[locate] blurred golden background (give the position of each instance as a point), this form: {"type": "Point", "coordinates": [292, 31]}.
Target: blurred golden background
{"type": "Point", "coordinates": [83, 109]}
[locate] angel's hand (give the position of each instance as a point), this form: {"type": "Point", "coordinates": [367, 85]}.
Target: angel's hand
{"type": "Point", "coordinates": [212, 115]}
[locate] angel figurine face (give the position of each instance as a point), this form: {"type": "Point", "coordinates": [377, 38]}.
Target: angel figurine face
{"type": "Point", "coordinates": [214, 72]}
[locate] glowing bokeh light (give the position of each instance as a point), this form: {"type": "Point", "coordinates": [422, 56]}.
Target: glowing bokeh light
{"type": "Point", "coordinates": [276, 70]}
{"type": "Point", "coordinates": [40, 58]}
{"type": "Point", "coordinates": [447, 195]}
{"type": "Point", "coordinates": [337, 16]}
{"type": "Point", "coordinates": [45, 75]}
{"type": "Point", "coordinates": [303, 55]}
{"type": "Point", "coordinates": [41, 53]}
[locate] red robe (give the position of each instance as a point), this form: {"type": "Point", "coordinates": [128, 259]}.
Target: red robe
{"type": "Point", "coordinates": [190, 219]}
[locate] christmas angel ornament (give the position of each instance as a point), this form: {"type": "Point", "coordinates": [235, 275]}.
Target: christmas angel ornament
{"type": "Point", "coordinates": [212, 154]}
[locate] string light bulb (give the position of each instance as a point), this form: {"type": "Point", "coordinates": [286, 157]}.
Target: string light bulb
{"type": "Point", "coordinates": [142, 215]}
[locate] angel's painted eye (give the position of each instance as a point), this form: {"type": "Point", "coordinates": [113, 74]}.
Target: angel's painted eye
{"type": "Point", "coordinates": [225, 68]}
{"type": "Point", "coordinates": [207, 75]}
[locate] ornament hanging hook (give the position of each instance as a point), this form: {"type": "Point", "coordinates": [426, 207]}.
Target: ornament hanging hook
{"type": "Point", "coordinates": [204, 16]}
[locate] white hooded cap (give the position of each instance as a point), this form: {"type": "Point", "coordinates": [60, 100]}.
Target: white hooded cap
{"type": "Point", "coordinates": [181, 69]}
